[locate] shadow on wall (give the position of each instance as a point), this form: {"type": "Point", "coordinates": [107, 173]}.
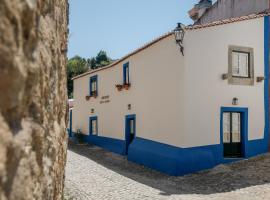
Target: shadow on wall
{"type": "Point", "coordinates": [223, 178]}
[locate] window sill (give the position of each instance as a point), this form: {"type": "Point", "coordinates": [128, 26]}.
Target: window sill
{"type": "Point", "coordinates": [125, 86]}
{"type": "Point", "coordinates": [240, 81]}
{"type": "Point", "coordinates": [90, 96]}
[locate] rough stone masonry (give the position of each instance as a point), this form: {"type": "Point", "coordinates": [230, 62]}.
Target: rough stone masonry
{"type": "Point", "coordinates": [33, 98]}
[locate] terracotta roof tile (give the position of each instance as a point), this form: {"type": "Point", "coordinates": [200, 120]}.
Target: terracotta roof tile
{"type": "Point", "coordinates": [126, 56]}
{"type": "Point", "coordinates": [190, 27]}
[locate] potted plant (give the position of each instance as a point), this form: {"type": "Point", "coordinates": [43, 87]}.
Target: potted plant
{"type": "Point", "coordinates": [119, 87]}
{"type": "Point", "coordinates": [87, 97]}
{"type": "Point", "coordinates": [126, 86]}
{"type": "Point", "coordinates": [94, 94]}
{"type": "Point", "coordinates": [79, 136]}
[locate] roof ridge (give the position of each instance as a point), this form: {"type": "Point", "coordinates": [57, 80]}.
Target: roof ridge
{"type": "Point", "coordinates": [145, 46]}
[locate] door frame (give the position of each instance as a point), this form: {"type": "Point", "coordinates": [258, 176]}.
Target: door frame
{"type": "Point", "coordinates": [90, 125]}
{"type": "Point", "coordinates": [244, 127]}
{"type": "Point", "coordinates": [127, 135]}
{"type": "Point", "coordinates": [70, 123]}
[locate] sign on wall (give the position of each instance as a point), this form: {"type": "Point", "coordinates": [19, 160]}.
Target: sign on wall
{"type": "Point", "coordinates": [105, 99]}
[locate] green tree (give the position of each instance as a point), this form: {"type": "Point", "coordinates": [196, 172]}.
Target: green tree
{"type": "Point", "coordinates": [102, 59]}
{"type": "Point", "coordinates": [78, 65]}
{"type": "Point", "coordinates": [92, 63]}
{"type": "Point", "coordinates": [75, 66]}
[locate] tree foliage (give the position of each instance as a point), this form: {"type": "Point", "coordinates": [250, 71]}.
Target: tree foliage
{"type": "Point", "coordinates": [75, 66]}
{"type": "Point", "coordinates": [100, 60]}
{"type": "Point", "coordinates": [78, 65]}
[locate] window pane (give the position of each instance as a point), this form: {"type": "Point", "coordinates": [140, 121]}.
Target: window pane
{"type": "Point", "coordinates": [94, 85]}
{"type": "Point", "coordinates": [243, 64]}
{"type": "Point", "coordinates": [240, 64]}
{"type": "Point", "coordinates": [226, 127]}
{"type": "Point", "coordinates": [127, 74]}
{"type": "Point", "coordinates": [235, 64]}
{"type": "Point", "coordinates": [236, 126]}
{"type": "Point", "coordinates": [132, 126]}
{"type": "Point", "coordinates": [94, 127]}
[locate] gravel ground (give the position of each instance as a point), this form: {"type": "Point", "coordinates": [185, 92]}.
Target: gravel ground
{"type": "Point", "coordinates": [93, 173]}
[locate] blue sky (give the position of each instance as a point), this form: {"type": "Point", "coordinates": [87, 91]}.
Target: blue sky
{"type": "Point", "coordinates": [120, 26]}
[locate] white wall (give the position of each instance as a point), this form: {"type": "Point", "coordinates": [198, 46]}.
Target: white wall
{"type": "Point", "coordinates": [155, 95]}
{"type": "Point", "coordinates": [177, 99]}
{"type": "Point", "coordinates": [206, 59]}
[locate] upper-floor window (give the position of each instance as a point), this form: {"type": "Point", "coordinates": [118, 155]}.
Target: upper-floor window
{"type": "Point", "coordinates": [126, 73]}
{"type": "Point", "coordinates": [93, 86]}
{"type": "Point", "coordinates": [241, 66]}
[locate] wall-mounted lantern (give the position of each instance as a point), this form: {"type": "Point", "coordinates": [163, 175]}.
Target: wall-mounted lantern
{"type": "Point", "coordinates": [179, 33]}
{"type": "Point", "coordinates": [129, 106]}
{"type": "Point", "coordinates": [235, 101]}
{"type": "Point", "coordinates": [92, 110]}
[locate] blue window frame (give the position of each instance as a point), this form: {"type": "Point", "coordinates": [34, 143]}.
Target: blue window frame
{"type": "Point", "coordinates": [93, 125]}
{"type": "Point", "coordinates": [126, 73]}
{"type": "Point", "coordinates": [70, 123]}
{"type": "Point", "coordinates": [93, 86]}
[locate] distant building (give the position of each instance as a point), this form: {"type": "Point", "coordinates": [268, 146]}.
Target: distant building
{"type": "Point", "coordinates": [182, 113]}
{"type": "Point", "coordinates": [204, 12]}
{"type": "Point", "coordinates": [70, 103]}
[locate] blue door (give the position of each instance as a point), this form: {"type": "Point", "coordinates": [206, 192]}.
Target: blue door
{"type": "Point", "coordinates": [130, 130]}
{"type": "Point", "coordinates": [70, 123]}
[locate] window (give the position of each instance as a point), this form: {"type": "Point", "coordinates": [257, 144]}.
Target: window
{"type": "Point", "coordinates": [93, 86]}
{"type": "Point", "coordinates": [126, 73]}
{"type": "Point", "coordinates": [231, 127]}
{"type": "Point", "coordinates": [93, 126]}
{"type": "Point", "coordinates": [241, 66]}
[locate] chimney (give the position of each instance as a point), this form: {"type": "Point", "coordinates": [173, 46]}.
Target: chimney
{"type": "Point", "coordinates": [199, 9]}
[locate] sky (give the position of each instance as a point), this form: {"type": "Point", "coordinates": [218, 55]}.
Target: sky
{"type": "Point", "coordinates": [121, 26]}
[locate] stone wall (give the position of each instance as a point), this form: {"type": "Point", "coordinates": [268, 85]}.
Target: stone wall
{"type": "Point", "coordinates": [224, 9]}
{"type": "Point", "coordinates": [33, 98]}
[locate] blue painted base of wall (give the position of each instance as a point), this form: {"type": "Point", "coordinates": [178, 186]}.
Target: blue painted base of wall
{"type": "Point", "coordinates": [180, 161]}
{"type": "Point", "coordinates": [110, 144]}
{"type": "Point", "coordinates": [172, 160]}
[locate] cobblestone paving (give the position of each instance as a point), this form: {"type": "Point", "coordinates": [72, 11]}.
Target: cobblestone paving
{"type": "Point", "coordinates": [93, 173]}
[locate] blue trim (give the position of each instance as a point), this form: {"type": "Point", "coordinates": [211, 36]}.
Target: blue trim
{"type": "Point", "coordinates": [70, 123]}
{"type": "Point", "coordinates": [125, 67]}
{"type": "Point", "coordinates": [90, 124]}
{"type": "Point", "coordinates": [244, 127]}
{"type": "Point", "coordinates": [110, 144]}
{"type": "Point", "coordinates": [127, 129]}
{"type": "Point", "coordinates": [266, 81]}
{"type": "Point", "coordinates": [92, 79]}
{"type": "Point", "coordinates": [173, 160]}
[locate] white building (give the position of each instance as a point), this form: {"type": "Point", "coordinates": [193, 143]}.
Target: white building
{"type": "Point", "coordinates": [179, 114]}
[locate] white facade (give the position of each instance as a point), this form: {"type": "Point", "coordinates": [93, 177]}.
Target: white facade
{"type": "Point", "coordinates": [177, 99]}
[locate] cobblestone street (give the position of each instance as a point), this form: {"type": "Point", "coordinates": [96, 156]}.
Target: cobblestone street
{"type": "Point", "coordinates": [93, 173]}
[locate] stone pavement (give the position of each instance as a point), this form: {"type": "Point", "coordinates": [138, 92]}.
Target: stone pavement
{"type": "Point", "coordinates": [93, 173]}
